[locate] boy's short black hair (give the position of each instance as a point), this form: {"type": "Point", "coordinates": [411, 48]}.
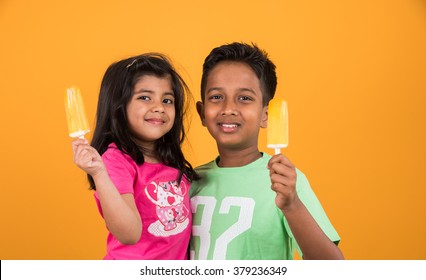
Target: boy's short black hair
{"type": "Point", "coordinates": [250, 54]}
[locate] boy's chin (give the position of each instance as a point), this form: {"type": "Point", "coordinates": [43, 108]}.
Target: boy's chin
{"type": "Point", "coordinates": [231, 145]}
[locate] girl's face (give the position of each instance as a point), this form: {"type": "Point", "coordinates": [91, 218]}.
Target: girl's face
{"type": "Point", "coordinates": [151, 110]}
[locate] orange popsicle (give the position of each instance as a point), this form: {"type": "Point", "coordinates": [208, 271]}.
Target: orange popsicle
{"type": "Point", "coordinates": [277, 131]}
{"type": "Point", "coordinates": [78, 125]}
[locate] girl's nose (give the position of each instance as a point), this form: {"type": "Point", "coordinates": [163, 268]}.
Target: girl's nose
{"type": "Point", "coordinates": [158, 107]}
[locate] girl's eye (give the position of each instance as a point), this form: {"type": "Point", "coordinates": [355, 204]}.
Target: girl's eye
{"type": "Point", "coordinates": [168, 101]}
{"type": "Point", "coordinates": [144, 97]}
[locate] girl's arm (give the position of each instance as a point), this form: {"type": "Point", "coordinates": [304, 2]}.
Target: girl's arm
{"type": "Point", "coordinates": [119, 210]}
{"type": "Point", "coordinates": [312, 241]}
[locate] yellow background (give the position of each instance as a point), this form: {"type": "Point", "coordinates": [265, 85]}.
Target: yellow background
{"type": "Point", "coordinates": [353, 72]}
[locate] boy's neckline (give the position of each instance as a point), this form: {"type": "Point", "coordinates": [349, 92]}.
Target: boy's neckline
{"type": "Point", "coordinates": [246, 162]}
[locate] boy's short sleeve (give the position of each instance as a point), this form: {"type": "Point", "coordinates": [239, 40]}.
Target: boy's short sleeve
{"type": "Point", "coordinates": [311, 202]}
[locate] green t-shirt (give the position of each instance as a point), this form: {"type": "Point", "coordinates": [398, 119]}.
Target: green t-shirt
{"type": "Point", "coordinates": [235, 216]}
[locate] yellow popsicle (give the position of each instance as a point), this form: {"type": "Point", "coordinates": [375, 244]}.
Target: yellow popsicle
{"type": "Point", "coordinates": [78, 125]}
{"type": "Point", "coordinates": [277, 130]}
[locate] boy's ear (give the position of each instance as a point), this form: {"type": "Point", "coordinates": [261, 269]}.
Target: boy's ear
{"type": "Point", "coordinates": [200, 110]}
{"type": "Point", "coordinates": [264, 120]}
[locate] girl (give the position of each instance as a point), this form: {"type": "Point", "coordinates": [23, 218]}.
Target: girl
{"type": "Point", "coordinates": [135, 162]}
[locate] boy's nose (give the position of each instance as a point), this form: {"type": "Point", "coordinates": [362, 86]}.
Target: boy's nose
{"type": "Point", "coordinates": [229, 108]}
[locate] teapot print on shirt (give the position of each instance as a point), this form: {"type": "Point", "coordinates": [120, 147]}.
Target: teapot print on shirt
{"type": "Point", "coordinates": [170, 208]}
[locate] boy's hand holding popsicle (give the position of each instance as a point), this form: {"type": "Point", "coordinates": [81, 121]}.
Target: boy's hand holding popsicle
{"type": "Point", "coordinates": [283, 181]}
{"type": "Point", "coordinates": [282, 171]}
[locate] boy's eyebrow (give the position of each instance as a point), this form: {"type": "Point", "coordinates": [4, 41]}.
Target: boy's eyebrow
{"type": "Point", "coordinates": [247, 89]}
{"type": "Point", "coordinates": [213, 89]}
{"type": "Point", "coordinates": [239, 89]}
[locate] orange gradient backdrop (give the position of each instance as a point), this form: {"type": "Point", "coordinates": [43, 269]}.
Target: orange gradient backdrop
{"type": "Point", "coordinates": [353, 72]}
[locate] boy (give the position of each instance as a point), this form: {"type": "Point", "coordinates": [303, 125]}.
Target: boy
{"type": "Point", "coordinates": [249, 205]}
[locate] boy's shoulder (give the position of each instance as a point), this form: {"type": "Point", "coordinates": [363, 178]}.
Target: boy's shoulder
{"type": "Point", "coordinates": [262, 162]}
{"type": "Point", "coordinates": [206, 166]}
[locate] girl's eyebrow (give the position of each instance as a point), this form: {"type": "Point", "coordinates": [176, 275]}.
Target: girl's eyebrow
{"type": "Point", "coordinates": [171, 93]}
{"type": "Point", "coordinates": [143, 90]}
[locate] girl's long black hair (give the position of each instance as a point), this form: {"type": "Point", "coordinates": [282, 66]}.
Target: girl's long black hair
{"type": "Point", "coordinates": [111, 118]}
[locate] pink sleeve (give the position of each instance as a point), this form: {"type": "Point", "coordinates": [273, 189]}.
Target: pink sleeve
{"type": "Point", "coordinates": [121, 169]}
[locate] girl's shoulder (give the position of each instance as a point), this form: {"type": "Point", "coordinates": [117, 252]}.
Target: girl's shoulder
{"type": "Point", "coordinates": [113, 153]}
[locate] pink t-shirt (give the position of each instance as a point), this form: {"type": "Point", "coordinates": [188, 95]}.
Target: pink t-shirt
{"type": "Point", "coordinates": [164, 208]}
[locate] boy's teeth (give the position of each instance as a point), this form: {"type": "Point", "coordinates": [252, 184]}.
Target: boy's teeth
{"type": "Point", "coordinates": [229, 125]}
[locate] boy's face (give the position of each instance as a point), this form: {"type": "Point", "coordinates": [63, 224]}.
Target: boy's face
{"type": "Point", "coordinates": [233, 110]}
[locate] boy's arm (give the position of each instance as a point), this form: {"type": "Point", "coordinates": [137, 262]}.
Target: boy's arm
{"type": "Point", "coordinates": [313, 242]}
{"type": "Point", "coordinates": [119, 210]}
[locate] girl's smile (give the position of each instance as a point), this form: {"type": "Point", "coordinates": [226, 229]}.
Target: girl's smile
{"type": "Point", "coordinates": [151, 111]}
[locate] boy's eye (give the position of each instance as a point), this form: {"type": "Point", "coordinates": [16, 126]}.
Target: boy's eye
{"type": "Point", "coordinates": [245, 98]}
{"type": "Point", "coordinates": [215, 97]}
